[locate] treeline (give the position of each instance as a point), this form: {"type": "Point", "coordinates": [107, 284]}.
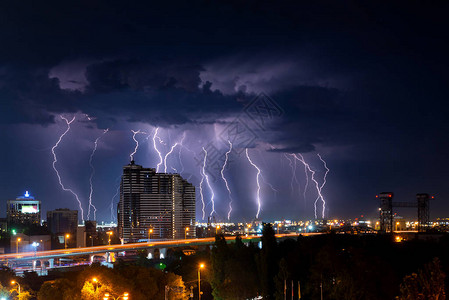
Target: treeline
{"type": "Point", "coordinates": [139, 282]}
{"type": "Point", "coordinates": [333, 265]}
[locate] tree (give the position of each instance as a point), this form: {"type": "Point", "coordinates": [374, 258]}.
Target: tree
{"type": "Point", "coordinates": [25, 295]}
{"type": "Point", "coordinates": [281, 277]}
{"type": "Point", "coordinates": [59, 289]}
{"type": "Point", "coordinates": [219, 257]}
{"type": "Point", "coordinates": [234, 274]}
{"type": "Point", "coordinates": [32, 280]}
{"type": "Point", "coordinates": [6, 275]}
{"type": "Point", "coordinates": [268, 261]}
{"type": "Point", "coordinates": [428, 284]}
{"type": "Point", "coordinates": [140, 282]}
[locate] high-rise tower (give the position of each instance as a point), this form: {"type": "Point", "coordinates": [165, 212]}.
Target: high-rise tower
{"type": "Point", "coordinates": [154, 205]}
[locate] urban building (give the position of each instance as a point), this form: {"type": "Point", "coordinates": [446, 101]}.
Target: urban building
{"type": "Point", "coordinates": [23, 210]}
{"type": "Point", "coordinates": [90, 229]}
{"type": "Point", "coordinates": [81, 236]}
{"type": "Point", "coordinates": [62, 221]}
{"type": "Point", "coordinates": [154, 205]}
{"type": "Point", "coordinates": [3, 225]}
{"type": "Point", "coordinates": [63, 224]}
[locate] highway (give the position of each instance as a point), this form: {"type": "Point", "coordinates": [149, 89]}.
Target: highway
{"type": "Point", "coordinates": [71, 252]}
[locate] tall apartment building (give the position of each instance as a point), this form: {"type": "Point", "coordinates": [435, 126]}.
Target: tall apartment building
{"type": "Point", "coordinates": [154, 205]}
{"type": "Point", "coordinates": [23, 210]}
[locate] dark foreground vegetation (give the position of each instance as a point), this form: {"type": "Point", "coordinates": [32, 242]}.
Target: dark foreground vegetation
{"type": "Point", "coordinates": [336, 266]}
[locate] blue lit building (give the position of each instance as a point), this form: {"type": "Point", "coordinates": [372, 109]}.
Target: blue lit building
{"type": "Point", "coordinates": [23, 210]}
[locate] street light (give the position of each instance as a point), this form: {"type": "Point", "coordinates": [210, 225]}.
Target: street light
{"type": "Point", "coordinates": [17, 244]}
{"type": "Point", "coordinates": [199, 280]}
{"type": "Point", "coordinates": [109, 234]}
{"type": "Point", "coordinates": [66, 237]}
{"type": "Point", "coordinates": [216, 229]}
{"type": "Point", "coordinates": [35, 245]}
{"type": "Point", "coordinates": [125, 296]}
{"type": "Point", "coordinates": [150, 231]}
{"type": "Point", "coordinates": [185, 235]}
{"type": "Point", "coordinates": [15, 282]}
{"type": "Point", "coordinates": [95, 281]}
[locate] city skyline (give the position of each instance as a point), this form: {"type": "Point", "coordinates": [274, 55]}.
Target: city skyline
{"type": "Point", "coordinates": [361, 92]}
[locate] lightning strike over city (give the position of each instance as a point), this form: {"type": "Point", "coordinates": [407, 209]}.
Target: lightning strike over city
{"type": "Point", "coordinates": [131, 156]}
{"type": "Point", "coordinates": [292, 164]}
{"type": "Point", "coordinates": [168, 154]}
{"type": "Point", "coordinates": [117, 191]}
{"type": "Point", "coordinates": [155, 136]}
{"type": "Point", "coordinates": [323, 183]}
{"type": "Point", "coordinates": [211, 190]}
{"type": "Point", "coordinates": [225, 180]}
{"type": "Point", "coordinates": [55, 160]}
{"type": "Point", "coordinates": [92, 173]}
{"type": "Point", "coordinates": [306, 185]}
{"type": "Point", "coordinates": [275, 145]}
{"type": "Point", "coordinates": [181, 143]}
{"type": "Point", "coordinates": [203, 175]}
{"type": "Point", "coordinates": [317, 185]}
{"type": "Point", "coordinates": [272, 188]}
{"type": "Point", "coordinates": [258, 183]}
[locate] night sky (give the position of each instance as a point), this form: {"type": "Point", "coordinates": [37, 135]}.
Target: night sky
{"type": "Point", "coordinates": [361, 83]}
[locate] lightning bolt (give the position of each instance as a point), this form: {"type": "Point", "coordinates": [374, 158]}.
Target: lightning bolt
{"type": "Point", "coordinates": [166, 155]}
{"type": "Point", "coordinates": [324, 181]}
{"type": "Point", "coordinates": [292, 164]}
{"type": "Point", "coordinates": [208, 183]}
{"type": "Point", "coordinates": [258, 183]}
{"type": "Point", "coordinates": [92, 173]}
{"type": "Point", "coordinates": [203, 173]}
{"type": "Point", "coordinates": [155, 136]}
{"type": "Point", "coordinates": [225, 180]}
{"type": "Point", "coordinates": [180, 151]}
{"type": "Point", "coordinates": [113, 218]}
{"type": "Point", "coordinates": [131, 156]}
{"type": "Point", "coordinates": [306, 184]}
{"type": "Point", "coordinates": [275, 191]}
{"type": "Point", "coordinates": [55, 160]}
{"type": "Point", "coordinates": [317, 185]}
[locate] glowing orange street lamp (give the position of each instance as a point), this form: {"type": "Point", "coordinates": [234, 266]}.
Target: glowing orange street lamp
{"type": "Point", "coordinates": [150, 231]}
{"type": "Point", "coordinates": [109, 239]}
{"type": "Point", "coordinates": [66, 237]}
{"type": "Point", "coordinates": [17, 244]}
{"type": "Point", "coordinates": [95, 281]}
{"type": "Point", "coordinates": [185, 235]}
{"type": "Point", "coordinates": [125, 296]}
{"type": "Point", "coordinates": [199, 280]}
{"type": "Point", "coordinates": [15, 282]}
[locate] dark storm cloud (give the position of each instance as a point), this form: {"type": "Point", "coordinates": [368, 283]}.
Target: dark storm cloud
{"type": "Point", "coordinates": [297, 149]}
{"type": "Point", "coordinates": [144, 52]}
{"type": "Point", "coordinates": [140, 75]}
{"type": "Point", "coordinates": [365, 76]}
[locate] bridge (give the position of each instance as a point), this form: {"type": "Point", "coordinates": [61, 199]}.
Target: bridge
{"type": "Point", "coordinates": [13, 260]}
